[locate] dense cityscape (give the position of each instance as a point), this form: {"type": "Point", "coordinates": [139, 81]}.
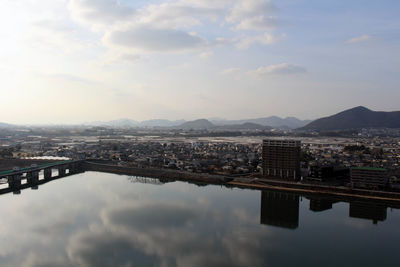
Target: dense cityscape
{"type": "Point", "coordinates": [322, 159]}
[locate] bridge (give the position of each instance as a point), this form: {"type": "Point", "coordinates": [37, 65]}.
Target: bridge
{"type": "Point", "coordinates": [33, 176]}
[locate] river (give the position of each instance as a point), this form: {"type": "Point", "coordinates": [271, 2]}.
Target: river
{"type": "Point", "coordinates": [99, 219]}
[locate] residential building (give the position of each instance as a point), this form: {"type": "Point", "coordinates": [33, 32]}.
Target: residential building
{"type": "Point", "coordinates": [281, 159]}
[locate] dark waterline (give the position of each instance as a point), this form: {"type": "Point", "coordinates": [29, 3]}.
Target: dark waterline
{"type": "Point", "coordinates": [97, 219]}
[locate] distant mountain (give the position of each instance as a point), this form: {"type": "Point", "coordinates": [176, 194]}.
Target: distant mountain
{"type": "Point", "coordinates": [133, 123]}
{"type": "Point", "coordinates": [356, 118]}
{"type": "Point", "coordinates": [196, 124]}
{"type": "Point", "coordinates": [160, 123]}
{"type": "Point", "coordinates": [273, 121]}
{"type": "Point", "coordinates": [115, 123]}
{"type": "Point", "coordinates": [5, 125]}
{"type": "Point", "coordinates": [244, 126]}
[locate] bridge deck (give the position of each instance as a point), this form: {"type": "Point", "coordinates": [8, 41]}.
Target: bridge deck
{"type": "Point", "coordinates": [37, 168]}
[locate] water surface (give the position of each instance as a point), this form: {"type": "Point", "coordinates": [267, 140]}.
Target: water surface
{"type": "Point", "coordinates": [97, 219]}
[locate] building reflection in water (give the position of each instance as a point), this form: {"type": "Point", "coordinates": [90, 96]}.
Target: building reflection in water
{"type": "Point", "coordinates": [318, 204]}
{"type": "Point", "coordinates": [368, 210]}
{"type": "Point", "coordinates": [279, 209]}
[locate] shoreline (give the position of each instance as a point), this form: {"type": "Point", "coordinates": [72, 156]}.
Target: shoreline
{"type": "Point", "coordinates": [249, 183]}
{"type": "Point", "coordinates": [256, 183]}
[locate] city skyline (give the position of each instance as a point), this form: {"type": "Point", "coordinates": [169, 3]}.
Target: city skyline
{"type": "Point", "coordinates": [66, 62]}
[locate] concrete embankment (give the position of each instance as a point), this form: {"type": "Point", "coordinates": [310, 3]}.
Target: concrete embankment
{"type": "Point", "coordinates": [341, 194]}
{"type": "Point", "coordinates": [322, 188]}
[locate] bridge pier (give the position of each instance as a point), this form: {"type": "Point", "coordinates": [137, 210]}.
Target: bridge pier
{"type": "Point", "coordinates": [61, 171]}
{"type": "Point", "coordinates": [14, 182]}
{"type": "Point", "coordinates": [71, 168]}
{"type": "Point", "coordinates": [32, 177]}
{"type": "Point", "coordinates": [74, 168]}
{"type": "Point", "coordinates": [47, 173]}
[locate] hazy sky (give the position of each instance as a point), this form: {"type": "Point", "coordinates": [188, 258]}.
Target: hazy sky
{"type": "Point", "coordinates": [83, 60]}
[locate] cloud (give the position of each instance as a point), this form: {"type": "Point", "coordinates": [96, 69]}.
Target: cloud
{"type": "Point", "coordinates": [280, 69]}
{"type": "Point", "coordinates": [265, 39]}
{"type": "Point", "coordinates": [163, 27]}
{"type": "Point", "coordinates": [207, 3]}
{"type": "Point", "coordinates": [145, 38]}
{"type": "Point", "coordinates": [103, 12]}
{"type": "Point", "coordinates": [177, 15]}
{"type": "Point", "coordinates": [258, 23]}
{"type": "Point", "coordinates": [206, 54]}
{"type": "Point", "coordinates": [362, 38]}
{"type": "Point", "coordinates": [253, 15]}
{"type": "Point", "coordinates": [129, 57]}
{"type": "Point", "coordinates": [230, 71]}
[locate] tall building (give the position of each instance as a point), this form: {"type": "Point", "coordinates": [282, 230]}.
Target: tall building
{"type": "Point", "coordinates": [281, 159]}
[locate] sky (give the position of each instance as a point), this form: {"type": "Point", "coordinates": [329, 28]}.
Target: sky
{"type": "Point", "coordinates": [88, 60]}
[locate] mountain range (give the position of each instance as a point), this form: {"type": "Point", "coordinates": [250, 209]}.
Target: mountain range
{"type": "Point", "coordinates": [4, 125]}
{"type": "Point", "coordinates": [206, 124]}
{"type": "Point", "coordinates": [273, 121]}
{"type": "Point", "coordinates": [356, 118]}
{"type": "Point", "coordinates": [133, 123]}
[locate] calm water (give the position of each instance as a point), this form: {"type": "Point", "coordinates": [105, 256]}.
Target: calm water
{"type": "Point", "coordinates": [96, 219]}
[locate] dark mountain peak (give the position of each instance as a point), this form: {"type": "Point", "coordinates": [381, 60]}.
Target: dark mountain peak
{"type": "Point", "coordinates": [358, 109]}
{"type": "Point", "coordinates": [362, 108]}
{"type": "Point", "coordinates": [197, 124]}
{"type": "Point", "coordinates": [356, 118]}
{"type": "Point", "coordinates": [201, 121]}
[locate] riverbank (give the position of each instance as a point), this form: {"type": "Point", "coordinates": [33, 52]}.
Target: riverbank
{"type": "Point", "coordinates": [244, 182]}
{"type": "Point", "coordinates": [258, 183]}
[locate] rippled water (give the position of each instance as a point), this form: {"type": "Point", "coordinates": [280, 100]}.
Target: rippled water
{"type": "Point", "coordinates": [96, 219]}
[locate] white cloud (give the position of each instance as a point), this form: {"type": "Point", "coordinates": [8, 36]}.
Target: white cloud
{"type": "Point", "coordinates": [206, 54]}
{"type": "Point", "coordinates": [165, 27]}
{"type": "Point", "coordinates": [145, 38]}
{"type": "Point", "coordinates": [177, 15]}
{"type": "Point", "coordinates": [283, 68]}
{"type": "Point", "coordinates": [258, 23]}
{"type": "Point", "coordinates": [151, 28]}
{"type": "Point", "coordinates": [103, 12]}
{"type": "Point", "coordinates": [129, 57]}
{"type": "Point", "coordinates": [358, 39]}
{"type": "Point", "coordinates": [265, 39]}
{"type": "Point", "coordinates": [230, 71]}
{"type": "Point", "coordinates": [253, 15]}
{"type": "Point", "coordinates": [208, 3]}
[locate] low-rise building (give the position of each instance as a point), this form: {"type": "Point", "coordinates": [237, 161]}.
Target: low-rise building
{"type": "Point", "coordinates": [368, 177]}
